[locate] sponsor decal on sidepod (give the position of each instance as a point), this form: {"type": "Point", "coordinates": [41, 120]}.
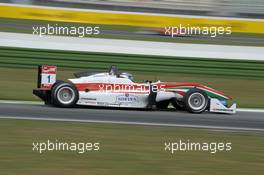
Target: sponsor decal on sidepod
{"type": "Point", "coordinates": [126, 98]}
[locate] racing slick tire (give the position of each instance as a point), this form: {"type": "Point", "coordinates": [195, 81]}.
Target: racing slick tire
{"type": "Point", "coordinates": [196, 101]}
{"type": "Point", "coordinates": [162, 104]}
{"type": "Point", "coordinates": [47, 94]}
{"type": "Point", "coordinates": [64, 94]}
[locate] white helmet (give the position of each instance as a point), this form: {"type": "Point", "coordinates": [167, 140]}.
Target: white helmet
{"type": "Point", "coordinates": [127, 75]}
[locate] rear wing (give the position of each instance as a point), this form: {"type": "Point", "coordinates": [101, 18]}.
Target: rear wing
{"type": "Point", "coordinates": [46, 76]}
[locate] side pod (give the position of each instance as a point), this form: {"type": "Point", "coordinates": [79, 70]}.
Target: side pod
{"type": "Point", "coordinates": [218, 107]}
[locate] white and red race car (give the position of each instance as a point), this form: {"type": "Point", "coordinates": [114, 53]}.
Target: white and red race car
{"type": "Point", "coordinates": [113, 89]}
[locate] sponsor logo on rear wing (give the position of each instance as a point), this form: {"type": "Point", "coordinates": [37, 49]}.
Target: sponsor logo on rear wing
{"type": "Point", "coordinates": [46, 76]}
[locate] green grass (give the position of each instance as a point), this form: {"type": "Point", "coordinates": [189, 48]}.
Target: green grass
{"type": "Point", "coordinates": [29, 58]}
{"type": "Point", "coordinates": [125, 150]}
{"type": "Point", "coordinates": [17, 84]}
{"type": "Point", "coordinates": [243, 80]}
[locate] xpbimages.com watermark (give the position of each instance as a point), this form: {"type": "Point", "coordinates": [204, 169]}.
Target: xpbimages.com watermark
{"type": "Point", "coordinates": [187, 145]}
{"type": "Point", "coordinates": [58, 146]}
{"type": "Point", "coordinates": [79, 31]}
{"type": "Point", "coordinates": [131, 88]}
{"type": "Point", "coordinates": [187, 30]}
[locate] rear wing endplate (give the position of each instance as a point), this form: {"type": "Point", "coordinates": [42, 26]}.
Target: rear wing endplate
{"type": "Point", "coordinates": [46, 76]}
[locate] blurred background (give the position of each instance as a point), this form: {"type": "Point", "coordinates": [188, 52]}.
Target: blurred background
{"type": "Point", "coordinates": [245, 18]}
{"type": "Point", "coordinates": [134, 39]}
{"type": "Point", "coordinates": [227, 8]}
{"type": "Point", "coordinates": [132, 36]}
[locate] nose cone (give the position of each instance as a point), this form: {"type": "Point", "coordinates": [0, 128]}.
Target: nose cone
{"type": "Point", "coordinates": [214, 93]}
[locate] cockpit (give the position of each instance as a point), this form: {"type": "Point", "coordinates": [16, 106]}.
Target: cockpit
{"type": "Point", "coordinates": [114, 71]}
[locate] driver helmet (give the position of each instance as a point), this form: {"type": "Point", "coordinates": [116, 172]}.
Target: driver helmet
{"type": "Point", "coordinates": [127, 75]}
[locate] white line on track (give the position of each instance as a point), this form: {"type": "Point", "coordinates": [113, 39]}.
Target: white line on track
{"type": "Point", "coordinates": [250, 110]}
{"type": "Point", "coordinates": [39, 102]}
{"type": "Point", "coordinates": [21, 102]}
{"type": "Point", "coordinates": [137, 123]}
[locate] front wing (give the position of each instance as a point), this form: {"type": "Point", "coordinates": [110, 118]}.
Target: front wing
{"type": "Point", "coordinates": [217, 106]}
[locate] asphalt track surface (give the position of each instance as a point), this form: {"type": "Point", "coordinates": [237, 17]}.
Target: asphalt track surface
{"type": "Point", "coordinates": [242, 121]}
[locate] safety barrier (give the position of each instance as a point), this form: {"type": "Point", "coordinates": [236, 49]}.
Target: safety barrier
{"type": "Point", "coordinates": [126, 18]}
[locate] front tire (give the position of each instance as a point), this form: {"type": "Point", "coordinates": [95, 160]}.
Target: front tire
{"type": "Point", "coordinates": [196, 100]}
{"type": "Point", "coordinates": [64, 95]}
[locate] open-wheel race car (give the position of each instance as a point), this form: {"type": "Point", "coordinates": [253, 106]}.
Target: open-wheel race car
{"type": "Point", "coordinates": [114, 89]}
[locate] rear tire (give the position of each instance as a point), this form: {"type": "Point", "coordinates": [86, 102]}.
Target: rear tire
{"type": "Point", "coordinates": [64, 95]}
{"type": "Point", "coordinates": [196, 100]}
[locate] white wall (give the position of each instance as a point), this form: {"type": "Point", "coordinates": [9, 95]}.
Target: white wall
{"type": "Point", "coordinates": [131, 47]}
